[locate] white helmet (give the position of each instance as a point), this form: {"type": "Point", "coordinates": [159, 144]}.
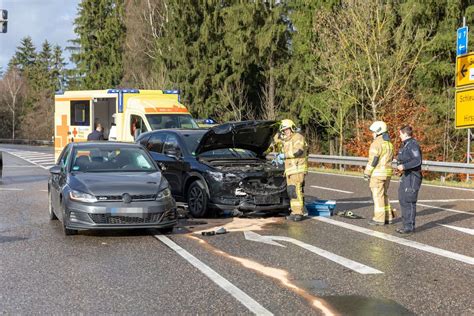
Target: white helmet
{"type": "Point", "coordinates": [378, 127]}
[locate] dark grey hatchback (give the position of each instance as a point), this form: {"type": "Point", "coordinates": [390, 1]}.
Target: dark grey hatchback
{"type": "Point", "coordinates": [109, 185]}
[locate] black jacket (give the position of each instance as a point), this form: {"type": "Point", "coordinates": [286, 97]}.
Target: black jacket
{"type": "Point", "coordinates": [410, 156]}
{"type": "Point", "coordinates": [95, 135]}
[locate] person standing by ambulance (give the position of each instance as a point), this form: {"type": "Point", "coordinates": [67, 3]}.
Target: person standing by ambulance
{"type": "Point", "coordinates": [409, 162]}
{"type": "Point", "coordinates": [379, 172]}
{"type": "Point", "coordinates": [295, 155]}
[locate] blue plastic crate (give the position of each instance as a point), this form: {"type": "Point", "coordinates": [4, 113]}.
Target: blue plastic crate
{"type": "Point", "coordinates": [321, 208]}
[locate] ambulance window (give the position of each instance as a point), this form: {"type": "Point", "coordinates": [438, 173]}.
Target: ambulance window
{"type": "Point", "coordinates": [137, 126]}
{"type": "Point", "coordinates": [80, 113]}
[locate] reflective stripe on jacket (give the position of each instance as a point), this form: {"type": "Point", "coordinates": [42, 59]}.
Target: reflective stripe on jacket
{"type": "Point", "coordinates": [381, 168]}
{"type": "Point", "coordinates": [296, 144]}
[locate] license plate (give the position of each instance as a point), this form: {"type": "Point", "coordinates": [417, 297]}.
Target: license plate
{"type": "Point", "coordinates": [267, 199]}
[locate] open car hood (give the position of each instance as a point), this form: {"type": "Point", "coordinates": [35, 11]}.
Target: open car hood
{"type": "Point", "coordinates": [252, 135]}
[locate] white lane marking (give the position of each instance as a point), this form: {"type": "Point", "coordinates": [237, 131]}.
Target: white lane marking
{"type": "Point", "coordinates": [469, 231]}
{"type": "Point", "coordinates": [331, 189]}
{"type": "Point", "coordinates": [34, 155]}
{"type": "Point", "coordinates": [401, 241]}
{"type": "Point", "coordinates": [10, 189]}
{"type": "Point", "coordinates": [420, 204]}
{"type": "Point", "coordinates": [15, 155]}
{"type": "Point", "coordinates": [42, 160]}
{"type": "Point", "coordinates": [237, 293]}
{"type": "Point", "coordinates": [445, 209]}
{"type": "Point", "coordinates": [336, 174]}
{"type": "Point", "coordinates": [44, 190]}
{"type": "Point", "coordinates": [396, 201]}
{"type": "Point", "coordinates": [361, 177]}
{"type": "Point", "coordinates": [23, 166]}
{"type": "Point", "coordinates": [353, 265]}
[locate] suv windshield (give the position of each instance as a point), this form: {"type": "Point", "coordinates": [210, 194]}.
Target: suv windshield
{"type": "Point", "coordinates": [111, 159]}
{"type": "Point", "coordinates": [161, 121]}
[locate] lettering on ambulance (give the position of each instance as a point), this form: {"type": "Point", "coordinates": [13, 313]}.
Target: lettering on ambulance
{"type": "Point", "coordinates": [173, 109]}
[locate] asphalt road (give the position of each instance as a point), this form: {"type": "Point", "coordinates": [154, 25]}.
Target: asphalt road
{"type": "Point", "coordinates": [318, 266]}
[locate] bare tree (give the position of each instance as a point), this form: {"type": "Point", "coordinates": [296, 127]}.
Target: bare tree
{"type": "Point", "coordinates": [12, 88]}
{"type": "Point", "coordinates": [145, 20]}
{"type": "Point", "coordinates": [234, 96]}
{"type": "Point", "coordinates": [380, 52]}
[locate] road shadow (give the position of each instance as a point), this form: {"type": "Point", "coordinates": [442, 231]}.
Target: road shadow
{"type": "Point", "coordinates": [23, 179]}
{"type": "Point", "coordinates": [447, 220]}
{"type": "Point", "coordinates": [5, 239]}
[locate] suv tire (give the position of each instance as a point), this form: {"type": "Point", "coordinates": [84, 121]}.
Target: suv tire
{"type": "Point", "coordinates": [197, 199]}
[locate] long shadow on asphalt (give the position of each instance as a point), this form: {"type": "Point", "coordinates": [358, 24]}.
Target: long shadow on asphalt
{"type": "Point", "coordinates": [23, 179]}
{"type": "Point", "coordinates": [447, 220]}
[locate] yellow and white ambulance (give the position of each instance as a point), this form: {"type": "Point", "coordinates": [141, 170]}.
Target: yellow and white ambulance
{"type": "Point", "coordinates": [123, 114]}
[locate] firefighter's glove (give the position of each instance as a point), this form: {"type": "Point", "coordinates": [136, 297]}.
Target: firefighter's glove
{"type": "Point", "coordinates": [280, 158]}
{"type": "Point", "coordinates": [366, 177]}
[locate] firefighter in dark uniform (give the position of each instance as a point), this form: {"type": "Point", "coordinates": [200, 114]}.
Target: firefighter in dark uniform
{"type": "Point", "coordinates": [409, 163]}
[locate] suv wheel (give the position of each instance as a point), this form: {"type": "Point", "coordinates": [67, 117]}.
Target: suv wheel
{"type": "Point", "coordinates": [197, 199]}
{"type": "Point", "coordinates": [52, 216]}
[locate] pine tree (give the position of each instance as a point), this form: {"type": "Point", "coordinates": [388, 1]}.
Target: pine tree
{"type": "Point", "coordinates": [58, 68]}
{"type": "Point", "coordinates": [25, 55]}
{"type": "Point", "coordinates": [101, 32]}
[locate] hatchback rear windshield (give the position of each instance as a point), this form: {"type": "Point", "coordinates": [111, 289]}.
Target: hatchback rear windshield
{"type": "Point", "coordinates": [111, 159]}
{"type": "Point", "coordinates": [161, 121]}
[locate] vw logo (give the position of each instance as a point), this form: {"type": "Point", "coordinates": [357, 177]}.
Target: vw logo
{"type": "Point", "coordinates": [126, 198]}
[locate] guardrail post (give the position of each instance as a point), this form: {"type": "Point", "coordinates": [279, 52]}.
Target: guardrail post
{"type": "Point", "coordinates": [1, 165]}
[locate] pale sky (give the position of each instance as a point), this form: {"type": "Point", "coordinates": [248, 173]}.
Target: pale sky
{"type": "Point", "coordinates": [40, 19]}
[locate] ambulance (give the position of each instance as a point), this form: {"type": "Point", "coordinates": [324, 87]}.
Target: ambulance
{"type": "Point", "coordinates": [123, 113]}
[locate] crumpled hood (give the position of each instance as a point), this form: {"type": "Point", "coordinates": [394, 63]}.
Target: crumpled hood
{"type": "Point", "coordinates": [252, 135]}
{"type": "Point", "coordinates": [116, 183]}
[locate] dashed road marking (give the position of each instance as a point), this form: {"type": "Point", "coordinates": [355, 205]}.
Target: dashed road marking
{"type": "Point", "coordinates": [230, 288]}
{"type": "Point", "coordinates": [423, 185]}
{"type": "Point", "coordinates": [420, 204]}
{"type": "Point", "coordinates": [461, 229]}
{"type": "Point", "coordinates": [400, 241]}
{"type": "Point", "coordinates": [445, 209]}
{"type": "Point", "coordinates": [11, 189]}
{"type": "Point", "coordinates": [331, 189]}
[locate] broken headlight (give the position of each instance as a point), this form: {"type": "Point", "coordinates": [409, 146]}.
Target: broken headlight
{"type": "Point", "coordinates": [223, 177]}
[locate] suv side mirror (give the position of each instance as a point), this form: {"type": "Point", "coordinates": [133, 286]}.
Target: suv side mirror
{"type": "Point", "coordinates": [55, 169]}
{"type": "Point", "coordinates": [173, 153]}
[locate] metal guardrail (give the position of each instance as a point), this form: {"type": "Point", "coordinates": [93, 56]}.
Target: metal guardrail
{"type": "Point", "coordinates": [26, 142]}
{"type": "Point", "coordinates": [435, 166]}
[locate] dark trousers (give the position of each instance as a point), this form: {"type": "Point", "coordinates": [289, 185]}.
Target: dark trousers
{"type": "Point", "coordinates": [408, 195]}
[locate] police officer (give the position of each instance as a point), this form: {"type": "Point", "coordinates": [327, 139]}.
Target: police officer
{"type": "Point", "coordinates": [379, 171]}
{"type": "Point", "coordinates": [295, 155]}
{"type": "Point", "coordinates": [409, 163]}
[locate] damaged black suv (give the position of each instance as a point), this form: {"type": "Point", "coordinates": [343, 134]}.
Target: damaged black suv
{"type": "Point", "coordinates": [221, 168]}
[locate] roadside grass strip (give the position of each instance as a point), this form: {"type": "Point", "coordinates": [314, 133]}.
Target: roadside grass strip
{"type": "Point", "coordinates": [237, 293]}
{"type": "Point", "coordinates": [400, 241]}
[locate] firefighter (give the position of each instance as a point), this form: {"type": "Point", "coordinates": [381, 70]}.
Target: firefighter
{"type": "Point", "coordinates": [295, 155]}
{"type": "Point", "coordinates": [409, 162]}
{"type": "Point", "coordinates": [379, 171]}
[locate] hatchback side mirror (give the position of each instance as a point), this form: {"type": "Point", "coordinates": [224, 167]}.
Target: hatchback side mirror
{"type": "Point", "coordinates": [55, 169]}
